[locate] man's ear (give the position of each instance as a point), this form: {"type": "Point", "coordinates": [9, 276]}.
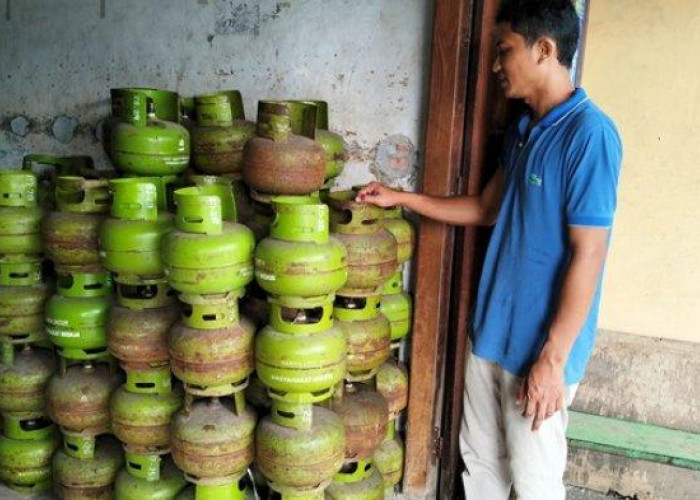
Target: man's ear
{"type": "Point", "coordinates": [547, 48]}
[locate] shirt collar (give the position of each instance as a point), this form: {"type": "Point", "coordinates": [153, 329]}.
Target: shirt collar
{"type": "Point", "coordinates": [558, 113]}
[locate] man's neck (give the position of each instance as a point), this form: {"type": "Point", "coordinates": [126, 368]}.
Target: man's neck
{"type": "Point", "coordinates": [552, 94]}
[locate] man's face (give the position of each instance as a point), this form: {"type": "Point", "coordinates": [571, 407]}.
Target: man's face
{"type": "Point", "coordinates": [516, 65]}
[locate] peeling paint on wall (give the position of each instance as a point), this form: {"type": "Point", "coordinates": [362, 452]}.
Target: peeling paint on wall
{"type": "Point", "coordinates": [368, 59]}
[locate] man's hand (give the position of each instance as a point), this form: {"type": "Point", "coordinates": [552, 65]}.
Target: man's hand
{"type": "Point", "coordinates": [378, 194]}
{"type": "Point", "coordinates": [542, 392]}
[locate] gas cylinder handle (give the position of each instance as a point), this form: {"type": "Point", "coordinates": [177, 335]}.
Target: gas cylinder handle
{"type": "Point", "coordinates": [236, 103]}
{"type": "Point", "coordinates": [214, 110]}
{"type": "Point", "coordinates": [321, 112]}
{"type": "Point", "coordinates": [18, 189]}
{"type": "Point", "coordinates": [135, 107]}
{"type": "Point", "coordinates": [239, 402]}
{"type": "Point", "coordinates": [7, 352]}
{"type": "Point", "coordinates": [300, 218]}
{"type": "Point", "coordinates": [79, 195]}
{"type": "Point", "coordinates": [302, 117]}
{"type": "Point", "coordinates": [199, 210]}
{"type": "Point", "coordinates": [38, 159]}
{"type": "Point", "coordinates": [134, 199]}
{"type": "Point", "coordinates": [277, 120]}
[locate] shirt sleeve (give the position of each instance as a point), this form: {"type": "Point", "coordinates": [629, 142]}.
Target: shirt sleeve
{"type": "Point", "coordinates": [594, 169]}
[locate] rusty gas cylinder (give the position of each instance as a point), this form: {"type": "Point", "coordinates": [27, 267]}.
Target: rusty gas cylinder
{"type": "Point", "coordinates": [388, 458]}
{"type": "Point", "coordinates": [71, 234]}
{"type": "Point", "coordinates": [392, 383]}
{"type": "Point", "coordinates": [368, 332]}
{"type": "Point", "coordinates": [403, 232]}
{"type": "Point", "coordinates": [213, 361]}
{"type": "Point", "coordinates": [397, 306]}
{"type": "Point", "coordinates": [138, 338]}
{"type": "Point", "coordinates": [278, 161]}
{"type": "Point", "coordinates": [81, 478]}
{"type": "Point", "coordinates": [24, 373]}
{"type": "Point", "coordinates": [22, 312]}
{"type": "Point", "coordinates": [372, 249]}
{"type": "Point", "coordinates": [365, 415]}
{"type": "Point", "coordinates": [213, 438]}
{"type": "Point", "coordinates": [300, 461]}
{"type": "Point", "coordinates": [78, 398]}
{"type": "Point", "coordinates": [141, 420]}
{"type": "Point", "coordinates": [220, 132]}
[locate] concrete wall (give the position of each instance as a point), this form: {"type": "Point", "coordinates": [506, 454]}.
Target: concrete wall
{"type": "Point", "coordinates": [368, 58]}
{"type": "Point", "coordinates": [641, 67]}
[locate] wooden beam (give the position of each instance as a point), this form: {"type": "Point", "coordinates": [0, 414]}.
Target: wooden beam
{"type": "Point", "coordinates": [481, 90]}
{"type": "Point", "coordinates": [443, 156]}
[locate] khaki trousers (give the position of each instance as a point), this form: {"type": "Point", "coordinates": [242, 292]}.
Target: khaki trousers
{"type": "Point", "coordinates": [499, 449]}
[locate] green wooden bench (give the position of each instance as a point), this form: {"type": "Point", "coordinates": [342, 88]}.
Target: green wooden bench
{"type": "Point", "coordinates": [634, 440]}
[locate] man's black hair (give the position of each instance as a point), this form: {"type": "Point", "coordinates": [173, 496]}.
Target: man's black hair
{"type": "Point", "coordinates": [533, 19]}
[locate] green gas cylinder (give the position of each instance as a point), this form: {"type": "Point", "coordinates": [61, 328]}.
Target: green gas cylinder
{"type": "Point", "coordinates": [397, 306]}
{"type": "Point", "coordinates": [357, 481]}
{"type": "Point", "coordinates": [392, 383]}
{"type": "Point", "coordinates": [49, 167]}
{"type": "Point", "coordinates": [209, 252]}
{"type": "Point", "coordinates": [402, 231]}
{"type": "Point", "coordinates": [300, 355]}
{"type": "Point", "coordinates": [299, 258]}
{"type": "Point", "coordinates": [25, 457]}
{"type": "Point", "coordinates": [167, 108]}
{"type": "Point", "coordinates": [170, 482]}
{"type": "Point", "coordinates": [138, 338]}
{"type": "Point", "coordinates": [76, 317]}
{"type": "Point", "coordinates": [20, 214]}
{"type": "Point", "coordinates": [333, 144]}
{"type": "Point", "coordinates": [143, 144]}
{"type": "Point", "coordinates": [130, 240]}
{"type": "Point", "coordinates": [388, 458]}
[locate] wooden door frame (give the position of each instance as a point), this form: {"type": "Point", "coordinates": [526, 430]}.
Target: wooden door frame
{"type": "Point", "coordinates": [435, 245]}
{"type": "Point", "coordinates": [461, 90]}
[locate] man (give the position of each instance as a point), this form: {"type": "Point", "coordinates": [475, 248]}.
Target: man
{"type": "Point", "coordinates": [552, 202]}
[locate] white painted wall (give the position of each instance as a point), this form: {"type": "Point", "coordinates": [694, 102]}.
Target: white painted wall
{"type": "Point", "coordinates": [367, 58]}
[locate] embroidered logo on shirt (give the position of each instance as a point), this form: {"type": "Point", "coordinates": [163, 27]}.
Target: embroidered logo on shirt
{"type": "Point", "coordinates": [535, 180]}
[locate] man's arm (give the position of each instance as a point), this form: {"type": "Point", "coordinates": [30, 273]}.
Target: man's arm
{"type": "Point", "coordinates": [479, 210]}
{"type": "Point", "coordinates": [543, 389]}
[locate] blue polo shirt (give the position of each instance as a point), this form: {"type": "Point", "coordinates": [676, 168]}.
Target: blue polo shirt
{"type": "Point", "coordinates": [561, 171]}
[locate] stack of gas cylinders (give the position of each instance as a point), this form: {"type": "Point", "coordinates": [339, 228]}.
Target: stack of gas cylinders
{"type": "Point", "coordinates": [150, 148]}
{"type": "Point", "coordinates": [28, 438]}
{"type": "Point", "coordinates": [224, 325]}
